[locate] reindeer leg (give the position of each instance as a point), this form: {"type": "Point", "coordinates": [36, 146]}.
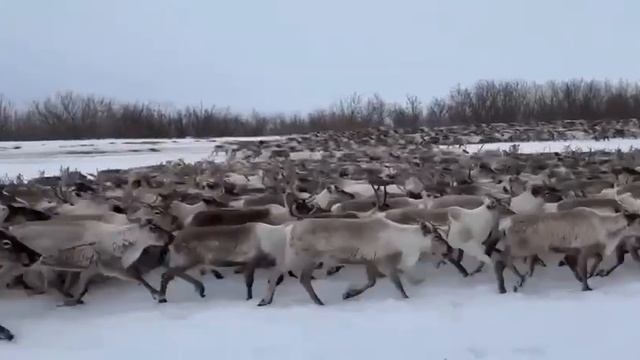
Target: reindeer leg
{"type": "Point", "coordinates": [620, 252]}
{"type": "Point", "coordinates": [480, 253]}
{"type": "Point", "coordinates": [572, 262]}
{"type": "Point", "coordinates": [62, 286]}
{"type": "Point", "coordinates": [20, 281]}
{"type": "Point", "coordinates": [334, 270]}
{"type": "Point", "coordinates": [305, 280]}
{"type": "Point", "coordinates": [179, 271]}
{"type": "Point", "coordinates": [498, 268]}
{"type": "Point", "coordinates": [490, 247]}
{"type": "Point", "coordinates": [195, 282]}
{"type": "Point", "coordinates": [389, 264]}
{"type": "Point", "coordinates": [371, 281]}
{"type": "Point", "coordinates": [491, 242]}
{"type": "Point", "coordinates": [384, 201]}
{"type": "Point", "coordinates": [583, 257]}
{"type": "Point", "coordinates": [595, 264]}
{"type": "Point", "coordinates": [69, 279]}
{"type": "Point", "coordinates": [275, 279]}
{"type": "Point", "coordinates": [521, 277]}
{"type": "Point", "coordinates": [249, 272]}
{"type": "Point", "coordinates": [82, 287]}
{"type": "Point", "coordinates": [395, 279]}
{"type": "Point", "coordinates": [134, 274]}
{"type": "Point", "coordinates": [533, 260]}
{"type": "Point", "coordinates": [217, 274]}
{"type": "Point", "coordinates": [457, 262]}
{"type": "Point", "coordinates": [375, 192]}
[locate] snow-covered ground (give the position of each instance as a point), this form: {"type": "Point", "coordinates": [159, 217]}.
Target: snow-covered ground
{"type": "Point", "coordinates": [447, 316]}
{"type": "Point", "coordinates": [30, 158]}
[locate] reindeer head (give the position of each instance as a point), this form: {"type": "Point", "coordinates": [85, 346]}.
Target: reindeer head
{"type": "Point", "coordinates": [159, 235]}
{"type": "Point", "coordinates": [12, 250]}
{"type": "Point", "coordinates": [439, 246]}
{"type": "Point", "coordinates": [331, 195]}
{"type": "Point", "coordinates": [501, 206]}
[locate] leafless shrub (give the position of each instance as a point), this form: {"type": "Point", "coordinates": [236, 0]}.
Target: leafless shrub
{"type": "Point", "coordinates": [71, 116]}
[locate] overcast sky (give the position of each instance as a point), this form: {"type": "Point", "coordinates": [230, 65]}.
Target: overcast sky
{"type": "Point", "coordinates": [296, 55]}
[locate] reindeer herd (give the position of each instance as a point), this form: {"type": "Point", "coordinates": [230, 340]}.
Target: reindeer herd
{"type": "Point", "coordinates": [306, 206]}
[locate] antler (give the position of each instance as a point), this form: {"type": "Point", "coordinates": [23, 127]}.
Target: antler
{"type": "Point", "coordinates": [58, 193]}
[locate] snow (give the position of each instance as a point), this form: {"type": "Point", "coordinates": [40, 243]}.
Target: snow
{"type": "Point", "coordinates": [560, 146]}
{"type": "Point", "coordinates": [30, 158]}
{"type": "Point", "coordinates": [447, 316]}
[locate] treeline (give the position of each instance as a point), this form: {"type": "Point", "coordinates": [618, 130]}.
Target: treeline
{"type": "Point", "coordinates": [71, 116]}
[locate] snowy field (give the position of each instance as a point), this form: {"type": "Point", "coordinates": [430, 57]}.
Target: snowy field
{"type": "Point", "coordinates": [447, 316]}
{"type": "Point", "coordinates": [30, 158]}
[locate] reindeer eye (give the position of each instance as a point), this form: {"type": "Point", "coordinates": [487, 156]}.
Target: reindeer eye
{"type": "Point", "coordinates": [7, 244]}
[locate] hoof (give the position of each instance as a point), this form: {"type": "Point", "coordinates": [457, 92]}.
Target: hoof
{"type": "Point", "coordinates": [69, 303]}
{"type": "Point", "coordinates": [587, 289]}
{"type": "Point", "coordinates": [348, 295]}
{"type": "Point", "coordinates": [162, 301]}
{"type": "Point", "coordinates": [218, 276]}
{"type": "Point", "coordinates": [474, 272]}
{"type": "Point", "coordinates": [263, 302]}
{"type": "Point", "coordinates": [502, 291]}
{"type": "Point", "coordinates": [5, 334]}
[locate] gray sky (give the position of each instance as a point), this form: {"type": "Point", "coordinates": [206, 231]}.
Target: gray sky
{"type": "Point", "coordinates": [296, 55]}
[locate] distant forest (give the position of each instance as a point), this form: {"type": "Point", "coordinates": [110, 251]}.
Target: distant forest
{"type": "Point", "coordinates": [73, 116]}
